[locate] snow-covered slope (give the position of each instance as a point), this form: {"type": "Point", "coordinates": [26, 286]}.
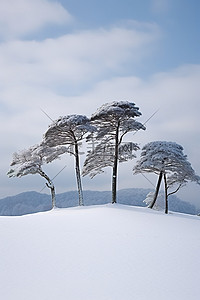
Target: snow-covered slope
{"type": "Point", "coordinates": [108, 252]}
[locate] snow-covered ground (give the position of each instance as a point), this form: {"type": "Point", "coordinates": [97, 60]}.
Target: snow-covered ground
{"type": "Point", "coordinates": [108, 252]}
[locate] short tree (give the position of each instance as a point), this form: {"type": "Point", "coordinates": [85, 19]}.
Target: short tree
{"type": "Point", "coordinates": [30, 161]}
{"type": "Point", "coordinates": [70, 130]}
{"type": "Point", "coordinates": [166, 159]}
{"type": "Point", "coordinates": [178, 179]}
{"type": "Point", "coordinates": [112, 120]}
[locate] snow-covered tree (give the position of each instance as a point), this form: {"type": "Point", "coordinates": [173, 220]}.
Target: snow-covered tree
{"type": "Point", "coordinates": [112, 120]}
{"type": "Point", "coordinates": [30, 161]}
{"type": "Point", "coordinates": [70, 130]}
{"type": "Point", "coordinates": [167, 160]}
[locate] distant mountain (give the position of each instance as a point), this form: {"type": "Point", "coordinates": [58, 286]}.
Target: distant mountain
{"type": "Point", "coordinates": [32, 202]}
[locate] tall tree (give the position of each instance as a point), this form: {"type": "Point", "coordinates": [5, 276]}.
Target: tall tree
{"type": "Point", "coordinates": [113, 121]}
{"type": "Point", "coordinates": [167, 160]}
{"type": "Point", "coordinates": [70, 130]}
{"type": "Point", "coordinates": [30, 161]}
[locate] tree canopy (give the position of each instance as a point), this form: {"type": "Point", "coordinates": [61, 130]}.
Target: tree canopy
{"type": "Point", "coordinates": [31, 160]}
{"type": "Point", "coordinates": [168, 161]}
{"type": "Point", "coordinates": [70, 130]}
{"type": "Point", "coordinates": [112, 120]}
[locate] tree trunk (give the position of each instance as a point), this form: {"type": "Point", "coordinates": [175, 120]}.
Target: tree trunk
{"type": "Point", "coordinates": [53, 195]}
{"type": "Point", "coordinates": [115, 167]}
{"type": "Point", "coordinates": [51, 186]}
{"type": "Point", "coordinates": [78, 175]}
{"type": "Point", "coordinates": [151, 205]}
{"type": "Point", "coordinates": [166, 194]}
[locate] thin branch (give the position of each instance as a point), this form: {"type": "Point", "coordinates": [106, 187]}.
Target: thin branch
{"type": "Point", "coordinates": [120, 140]}
{"type": "Point", "coordinates": [178, 188]}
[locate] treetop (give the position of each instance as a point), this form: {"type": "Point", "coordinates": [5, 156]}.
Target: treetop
{"type": "Point", "coordinates": [117, 109]}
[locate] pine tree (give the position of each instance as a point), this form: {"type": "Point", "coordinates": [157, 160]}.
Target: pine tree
{"type": "Point", "coordinates": [167, 160]}
{"type": "Point", "coordinates": [70, 130]}
{"type": "Point", "coordinates": [31, 160]}
{"type": "Point", "coordinates": [113, 121]}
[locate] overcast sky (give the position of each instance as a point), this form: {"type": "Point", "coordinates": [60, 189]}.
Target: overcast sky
{"type": "Point", "coordinates": [67, 56]}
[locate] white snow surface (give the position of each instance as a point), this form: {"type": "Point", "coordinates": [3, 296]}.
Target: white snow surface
{"type": "Point", "coordinates": [108, 252]}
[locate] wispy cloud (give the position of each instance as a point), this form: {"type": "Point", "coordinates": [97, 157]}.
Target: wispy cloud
{"type": "Point", "coordinates": [21, 17]}
{"type": "Point", "coordinates": [72, 59]}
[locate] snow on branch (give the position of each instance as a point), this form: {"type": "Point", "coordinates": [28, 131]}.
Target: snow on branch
{"type": "Point", "coordinates": [112, 120]}
{"type": "Point", "coordinates": [168, 161]}
{"type": "Point", "coordinates": [30, 161]}
{"type": "Point", "coordinates": [68, 130]}
{"type": "Point", "coordinates": [117, 109]}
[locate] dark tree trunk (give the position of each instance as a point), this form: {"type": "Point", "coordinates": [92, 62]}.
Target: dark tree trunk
{"type": "Point", "coordinates": [51, 186]}
{"type": "Point", "coordinates": [115, 167]}
{"type": "Point", "coordinates": [53, 195]}
{"type": "Point", "coordinates": [157, 190]}
{"type": "Point", "coordinates": [166, 194]}
{"type": "Point", "coordinates": [78, 175]}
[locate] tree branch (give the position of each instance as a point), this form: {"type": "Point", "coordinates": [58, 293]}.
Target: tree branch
{"type": "Point", "coordinates": [178, 188]}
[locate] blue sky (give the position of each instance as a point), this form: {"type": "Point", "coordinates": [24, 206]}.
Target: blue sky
{"type": "Point", "coordinates": [70, 57]}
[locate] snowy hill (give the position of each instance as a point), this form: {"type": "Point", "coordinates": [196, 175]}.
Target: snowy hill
{"type": "Point", "coordinates": [31, 202]}
{"type": "Point", "coordinates": [108, 252]}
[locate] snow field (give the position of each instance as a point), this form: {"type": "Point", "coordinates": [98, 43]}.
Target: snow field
{"type": "Point", "coordinates": [108, 252]}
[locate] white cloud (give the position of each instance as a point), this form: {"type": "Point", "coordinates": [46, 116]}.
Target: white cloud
{"type": "Point", "coordinates": [20, 17]}
{"type": "Point", "coordinates": [71, 60]}
{"type": "Point", "coordinates": [174, 93]}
